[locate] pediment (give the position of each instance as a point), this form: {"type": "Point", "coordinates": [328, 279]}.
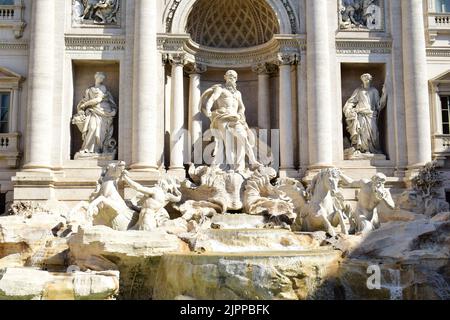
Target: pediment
{"type": "Point", "coordinates": [443, 77]}
{"type": "Point", "coordinates": [8, 75]}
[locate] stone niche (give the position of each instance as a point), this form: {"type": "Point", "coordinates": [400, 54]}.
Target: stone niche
{"type": "Point", "coordinates": [351, 80]}
{"type": "Point", "coordinates": [83, 78]}
{"type": "Point", "coordinates": [247, 84]}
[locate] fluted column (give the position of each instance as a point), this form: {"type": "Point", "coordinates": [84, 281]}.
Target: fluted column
{"type": "Point", "coordinates": [15, 110]}
{"type": "Point", "coordinates": [417, 110]}
{"type": "Point", "coordinates": [318, 83]}
{"type": "Point", "coordinates": [145, 109]}
{"type": "Point", "coordinates": [177, 115]}
{"type": "Point", "coordinates": [264, 70]}
{"type": "Point", "coordinates": [41, 87]}
{"type": "Point", "coordinates": [195, 122]}
{"type": "Point", "coordinates": [285, 62]}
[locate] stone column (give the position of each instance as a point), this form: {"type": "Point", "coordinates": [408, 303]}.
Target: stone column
{"type": "Point", "coordinates": [15, 110]}
{"type": "Point", "coordinates": [177, 115]}
{"type": "Point", "coordinates": [145, 109]}
{"type": "Point", "coordinates": [264, 70]}
{"type": "Point", "coordinates": [417, 110]}
{"type": "Point", "coordinates": [318, 85]}
{"type": "Point", "coordinates": [195, 122]}
{"type": "Point", "coordinates": [285, 62]}
{"type": "Point", "coordinates": [41, 86]}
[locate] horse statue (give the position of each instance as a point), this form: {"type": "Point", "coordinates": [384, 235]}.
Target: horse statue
{"type": "Point", "coordinates": [107, 206]}
{"type": "Point", "coordinates": [324, 209]}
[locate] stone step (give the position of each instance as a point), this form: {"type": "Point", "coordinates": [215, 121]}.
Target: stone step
{"type": "Point", "coordinates": [253, 240]}
{"type": "Point", "coordinates": [34, 284]}
{"type": "Point", "coordinates": [238, 221]}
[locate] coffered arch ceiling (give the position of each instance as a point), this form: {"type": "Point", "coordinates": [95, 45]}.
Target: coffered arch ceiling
{"type": "Point", "coordinates": [178, 11]}
{"type": "Point", "coordinates": [232, 23]}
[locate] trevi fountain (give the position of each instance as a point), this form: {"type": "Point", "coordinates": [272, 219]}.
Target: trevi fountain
{"type": "Point", "coordinates": [224, 150]}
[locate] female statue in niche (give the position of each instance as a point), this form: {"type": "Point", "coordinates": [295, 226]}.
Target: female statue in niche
{"type": "Point", "coordinates": [361, 113]}
{"type": "Point", "coordinates": [94, 119]}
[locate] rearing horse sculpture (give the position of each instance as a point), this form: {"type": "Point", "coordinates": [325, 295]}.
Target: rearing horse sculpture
{"type": "Point", "coordinates": [324, 209]}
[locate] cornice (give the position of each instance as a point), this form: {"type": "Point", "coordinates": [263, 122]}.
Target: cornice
{"type": "Point", "coordinates": [94, 43]}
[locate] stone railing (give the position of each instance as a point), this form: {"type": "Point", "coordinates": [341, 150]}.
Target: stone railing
{"type": "Point", "coordinates": [11, 16]}
{"type": "Point", "coordinates": [8, 12]}
{"type": "Point", "coordinates": [439, 20]}
{"type": "Point", "coordinates": [9, 148]}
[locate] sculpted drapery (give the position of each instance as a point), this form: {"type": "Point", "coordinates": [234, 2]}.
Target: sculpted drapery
{"type": "Point", "coordinates": [96, 112]}
{"type": "Point", "coordinates": [361, 113]}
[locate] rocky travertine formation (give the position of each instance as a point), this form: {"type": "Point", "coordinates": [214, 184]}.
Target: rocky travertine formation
{"type": "Point", "coordinates": [32, 241]}
{"type": "Point", "coordinates": [267, 275]}
{"type": "Point", "coordinates": [253, 240]}
{"type": "Point", "coordinates": [413, 257]}
{"type": "Point", "coordinates": [32, 284]}
{"type": "Point", "coordinates": [136, 254]}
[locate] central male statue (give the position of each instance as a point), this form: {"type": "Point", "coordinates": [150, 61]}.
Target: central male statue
{"type": "Point", "coordinates": [223, 105]}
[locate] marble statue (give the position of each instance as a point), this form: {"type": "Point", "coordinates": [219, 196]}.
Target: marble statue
{"type": "Point", "coordinates": [234, 140]}
{"type": "Point", "coordinates": [360, 14]}
{"type": "Point", "coordinates": [217, 189]}
{"type": "Point", "coordinates": [96, 11]}
{"type": "Point", "coordinates": [295, 191]}
{"type": "Point", "coordinates": [106, 206]}
{"type": "Point", "coordinates": [325, 208]}
{"type": "Point", "coordinates": [264, 199]}
{"type": "Point", "coordinates": [153, 201]}
{"type": "Point", "coordinates": [94, 118]}
{"type": "Point", "coordinates": [146, 211]}
{"type": "Point", "coordinates": [371, 194]}
{"type": "Point", "coordinates": [361, 114]}
{"type": "Point", "coordinates": [424, 196]}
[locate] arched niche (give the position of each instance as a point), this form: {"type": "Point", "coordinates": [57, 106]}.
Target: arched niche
{"type": "Point", "coordinates": [178, 11]}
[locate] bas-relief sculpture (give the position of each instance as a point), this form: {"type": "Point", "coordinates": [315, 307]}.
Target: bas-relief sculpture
{"type": "Point", "coordinates": [95, 11]}
{"type": "Point", "coordinates": [361, 113]}
{"type": "Point", "coordinates": [360, 15]}
{"type": "Point", "coordinates": [94, 119]}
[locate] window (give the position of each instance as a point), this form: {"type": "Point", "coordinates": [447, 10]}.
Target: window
{"type": "Point", "coordinates": [445, 103]}
{"type": "Point", "coordinates": [12, 16]}
{"type": "Point", "coordinates": [5, 101]}
{"type": "Point", "coordinates": [442, 6]}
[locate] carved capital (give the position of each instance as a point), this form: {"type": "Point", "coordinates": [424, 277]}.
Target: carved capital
{"type": "Point", "coordinates": [177, 59]}
{"type": "Point", "coordinates": [195, 68]}
{"type": "Point", "coordinates": [264, 68]}
{"type": "Point", "coordinates": [284, 58]}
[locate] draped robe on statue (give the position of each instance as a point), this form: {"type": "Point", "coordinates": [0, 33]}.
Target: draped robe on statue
{"type": "Point", "coordinates": [361, 113]}
{"type": "Point", "coordinates": [100, 110]}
